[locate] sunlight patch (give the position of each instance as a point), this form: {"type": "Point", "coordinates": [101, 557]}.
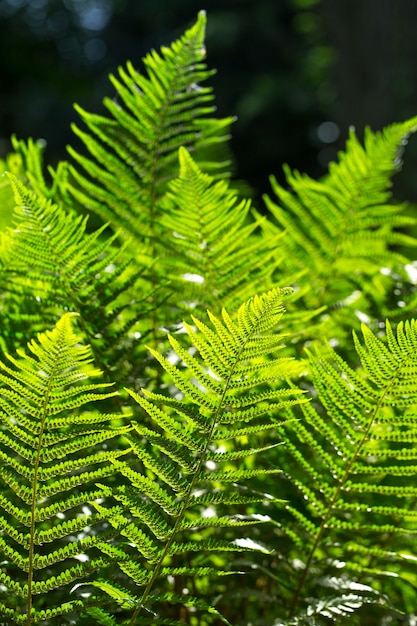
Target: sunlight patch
{"type": "Point", "coordinates": [193, 278]}
{"type": "Point", "coordinates": [411, 269]}
{"type": "Point", "coordinates": [251, 545]}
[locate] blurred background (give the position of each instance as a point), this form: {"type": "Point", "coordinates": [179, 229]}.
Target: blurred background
{"type": "Point", "coordinates": [297, 73]}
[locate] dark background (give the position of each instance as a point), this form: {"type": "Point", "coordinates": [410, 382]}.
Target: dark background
{"type": "Point", "coordinates": [297, 73]}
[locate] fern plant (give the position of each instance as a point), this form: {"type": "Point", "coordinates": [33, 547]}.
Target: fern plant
{"type": "Point", "coordinates": [229, 475]}
{"type": "Point", "coordinates": [134, 151]}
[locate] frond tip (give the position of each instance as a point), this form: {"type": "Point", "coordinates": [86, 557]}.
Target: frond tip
{"type": "Point", "coordinates": [339, 232]}
{"type": "Point", "coordinates": [210, 246]}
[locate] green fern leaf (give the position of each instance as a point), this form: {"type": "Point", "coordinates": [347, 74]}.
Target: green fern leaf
{"type": "Point", "coordinates": [238, 343]}
{"type": "Point", "coordinates": [209, 242]}
{"type": "Point", "coordinates": [341, 231]}
{"type": "Point", "coordinates": [42, 506]}
{"type": "Point", "coordinates": [53, 264]}
{"type": "Point", "coordinates": [356, 510]}
{"type": "Point", "coordinates": [26, 164]}
{"type": "Point", "coordinates": [134, 151]}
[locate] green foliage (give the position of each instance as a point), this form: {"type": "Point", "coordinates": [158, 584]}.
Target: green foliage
{"type": "Point", "coordinates": [209, 243]}
{"type": "Point", "coordinates": [345, 229]}
{"type": "Point", "coordinates": [350, 457]}
{"type": "Point", "coordinates": [134, 152]}
{"type": "Point", "coordinates": [53, 450]}
{"type": "Point", "coordinates": [230, 466]}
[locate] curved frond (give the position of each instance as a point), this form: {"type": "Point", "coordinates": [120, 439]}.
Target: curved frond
{"type": "Point", "coordinates": [350, 460]}
{"type": "Point", "coordinates": [52, 264]}
{"type": "Point", "coordinates": [341, 231]}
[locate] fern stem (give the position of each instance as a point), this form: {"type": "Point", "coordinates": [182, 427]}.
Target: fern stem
{"type": "Point", "coordinates": [181, 513]}
{"type": "Point", "coordinates": [31, 555]}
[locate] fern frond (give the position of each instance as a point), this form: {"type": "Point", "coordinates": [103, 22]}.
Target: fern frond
{"type": "Point", "coordinates": [180, 495]}
{"type": "Point", "coordinates": [51, 262]}
{"type": "Point", "coordinates": [30, 155]}
{"type": "Point", "coordinates": [341, 231]}
{"type": "Point", "coordinates": [339, 599]}
{"type": "Point", "coordinates": [353, 497]}
{"type": "Point", "coordinates": [133, 152]}
{"type": "Point", "coordinates": [13, 165]}
{"type": "Point", "coordinates": [42, 523]}
{"type": "Point", "coordinates": [209, 243]}
{"type": "Point", "coordinates": [25, 163]}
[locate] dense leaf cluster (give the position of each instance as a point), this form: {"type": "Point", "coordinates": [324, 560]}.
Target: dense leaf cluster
{"type": "Point", "coordinates": [175, 446]}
